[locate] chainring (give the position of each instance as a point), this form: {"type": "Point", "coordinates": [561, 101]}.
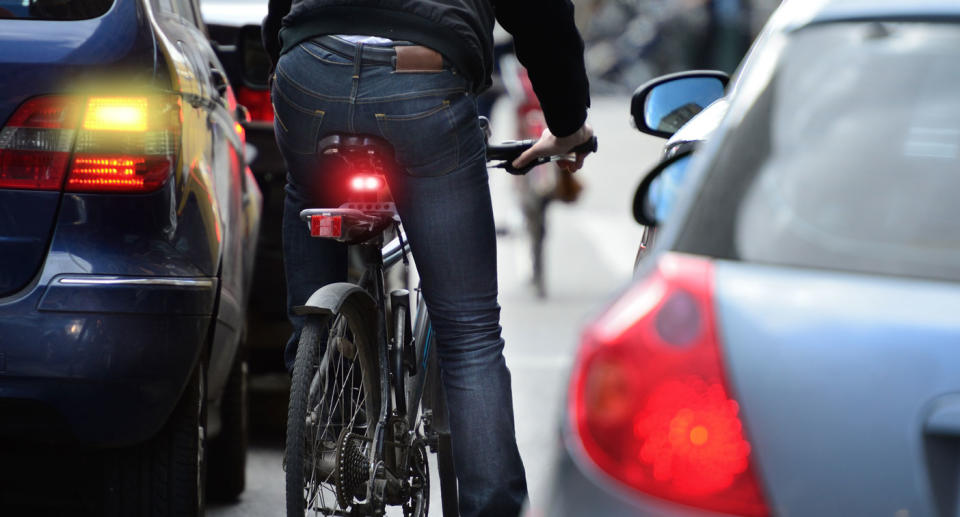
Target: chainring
{"type": "Point", "coordinates": [353, 468]}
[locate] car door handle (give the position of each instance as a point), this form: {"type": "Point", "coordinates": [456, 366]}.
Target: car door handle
{"type": "Point", "coordinates": [220, 81]}
{"type": "Point", "coordinates": [944, 418]}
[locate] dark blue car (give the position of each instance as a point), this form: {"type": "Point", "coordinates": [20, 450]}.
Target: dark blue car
{"type": "Point", "coordinates": [128, 223]}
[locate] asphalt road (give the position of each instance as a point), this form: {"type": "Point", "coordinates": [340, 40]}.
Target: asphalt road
{"type": "Point", "coordinates": [590, 251]}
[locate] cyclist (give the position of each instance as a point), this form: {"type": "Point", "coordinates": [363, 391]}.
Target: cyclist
{"type": "Point", "coordinates": [408, 71]}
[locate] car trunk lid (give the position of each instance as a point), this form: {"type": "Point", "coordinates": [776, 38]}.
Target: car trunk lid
{"type": "Point", "coordinates": [844, 382]}
{"type": "Point", "coordinates": [43, 57]}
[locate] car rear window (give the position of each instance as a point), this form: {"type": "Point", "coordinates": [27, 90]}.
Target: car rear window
{"type": "Point", "coordinates": [53, 9]}
{"type": "Point", "coordinates": [849, 158]}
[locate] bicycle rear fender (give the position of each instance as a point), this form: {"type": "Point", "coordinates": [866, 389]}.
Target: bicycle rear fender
{"type": "Point", "coordinates": [331, 299]}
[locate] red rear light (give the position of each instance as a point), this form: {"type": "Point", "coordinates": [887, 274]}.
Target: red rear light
{"type": "Point", "coordinates": [649, 402]}
{"type": "Point", "coordinates": [257, 102]}
{"type": "Point", "coordinates": [366, 183]}
{"type": "Point", "coordinates": [126, 144]}
{"type": "Point", "coordinates": [35, 143]}
{"type": "Point", "coordinates": [117, 144]}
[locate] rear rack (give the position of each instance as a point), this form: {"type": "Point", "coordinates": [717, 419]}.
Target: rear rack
{"type": "Point", "coordinates": [352, 222]}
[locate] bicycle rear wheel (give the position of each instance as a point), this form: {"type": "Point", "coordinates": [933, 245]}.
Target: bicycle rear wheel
{"type": "Point", "coordinates": [334, 406]}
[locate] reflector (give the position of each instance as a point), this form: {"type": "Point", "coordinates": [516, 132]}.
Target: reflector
{"type": "Point", "coordinates": [325, 226]}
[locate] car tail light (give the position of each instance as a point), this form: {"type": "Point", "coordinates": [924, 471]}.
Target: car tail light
{"type": "Point", "coordinates": [125, 144]}
{"type": "Point", "coordinates": [257, 102]}
{"type": "Point", "coordinates": [648, 398]}
{"type": "Point", "coordinates": [35, 143]}
{"type": "Point", "coordinates": [101, 144]}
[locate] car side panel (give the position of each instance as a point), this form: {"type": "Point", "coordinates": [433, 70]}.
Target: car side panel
{"type": "Point", "coordinates": [214, 150]}
{"type": "Point", "coordinates": [836, 374]}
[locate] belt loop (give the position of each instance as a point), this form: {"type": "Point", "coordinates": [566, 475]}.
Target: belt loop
{"type": "Point", "coordinates": [357, 58]}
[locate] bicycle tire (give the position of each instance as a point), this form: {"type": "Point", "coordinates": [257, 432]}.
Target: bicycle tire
{"type": "Point", "coordinates": [322, 425]}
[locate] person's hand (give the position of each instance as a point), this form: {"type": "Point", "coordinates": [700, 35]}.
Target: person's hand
{"type": "Point", "coordinates": [549, 145]}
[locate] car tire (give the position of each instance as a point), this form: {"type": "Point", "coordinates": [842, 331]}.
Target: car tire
{"type": "Point", "coordinates": [228, 451]}
{"type": "Point", "coordinates": [165, 476]}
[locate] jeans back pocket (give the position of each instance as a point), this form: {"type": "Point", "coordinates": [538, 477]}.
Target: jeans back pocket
{"type": "Point", "coordinates": [425, 142]}
{"type": "Point", "coordinates": [297, 127]}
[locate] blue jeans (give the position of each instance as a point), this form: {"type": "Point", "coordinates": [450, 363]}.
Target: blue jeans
{"type": "Point", "coordinates": [443, 197]}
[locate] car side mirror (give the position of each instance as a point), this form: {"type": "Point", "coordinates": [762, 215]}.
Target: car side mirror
{"type": "Point", "coordinates": [663, 105]}
{"type": "Point", "coordinates": [659, 189]}
{"type": "Point", "coordinates": [254, 61]}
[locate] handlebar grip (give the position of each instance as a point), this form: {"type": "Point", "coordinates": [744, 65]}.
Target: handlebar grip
{"type": "Point", "coordinates": [590, 146]}
{"type": "Point", "coordinates": [508, 150]}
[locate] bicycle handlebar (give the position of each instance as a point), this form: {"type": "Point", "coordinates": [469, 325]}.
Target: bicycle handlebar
{"type": "Point", "coordinates": [506, 152]}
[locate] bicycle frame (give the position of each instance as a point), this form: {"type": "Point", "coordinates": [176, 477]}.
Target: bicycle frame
{"type": "Point", "coordinates": [424, 414]}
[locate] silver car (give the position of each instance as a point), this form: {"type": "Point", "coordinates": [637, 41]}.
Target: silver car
{"type": "Point", "coordinates": [791, 344]}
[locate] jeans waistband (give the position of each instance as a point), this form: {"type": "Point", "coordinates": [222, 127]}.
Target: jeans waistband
{"type": "Point", "coordinates": [371, 54]}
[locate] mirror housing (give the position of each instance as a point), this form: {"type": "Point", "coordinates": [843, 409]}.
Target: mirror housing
{"type": "Point", "coordinates": [663, 105]}
{"type": "Point", "coordinates": [672, 171]}
{"type": "Point", "coordinates": [253, 59]}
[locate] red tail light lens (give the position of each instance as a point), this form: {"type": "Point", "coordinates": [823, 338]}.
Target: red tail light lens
{"type": "Point", "coordinates": [118, 144]}
{"type": "Point", "coordinates": [126, 144]}
{"type": "Point", "coordinates": [649, 402]}
{"type": "Point", "coordinates": [105, 173]}
{"type": "Point", "coordinates": [366, 183]}
{"type": "Point", "coordinates": [35, 143]}
{"type": "Point", "coordinates": [257, 102]}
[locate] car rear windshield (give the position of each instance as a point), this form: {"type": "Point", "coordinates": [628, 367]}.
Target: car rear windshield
{"type": "Point", "coordinates": [53, 9]}
{"type": "Point", "coordinates": [848, 159]}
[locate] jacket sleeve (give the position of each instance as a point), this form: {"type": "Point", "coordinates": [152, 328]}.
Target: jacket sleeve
{"type": "Point", "coordinates": [270, 31]}
{"type": "Point", "coordinates": [550, 47]}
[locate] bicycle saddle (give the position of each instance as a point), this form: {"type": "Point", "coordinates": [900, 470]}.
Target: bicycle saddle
{"type": "Point", "coordinates": [349, 144]}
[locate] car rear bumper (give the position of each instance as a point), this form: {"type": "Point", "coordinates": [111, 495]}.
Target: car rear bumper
{"type": "Point", "coordinates": [100, 360]}
{"type": "Point", "coordinates": [578, 488]}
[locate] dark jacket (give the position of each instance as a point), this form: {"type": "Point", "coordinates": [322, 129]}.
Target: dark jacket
{"type": "Point", "coordinates": [546, 40]}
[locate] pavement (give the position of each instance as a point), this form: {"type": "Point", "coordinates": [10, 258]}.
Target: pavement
{"type": "Point", "coordinates": [591, 247]}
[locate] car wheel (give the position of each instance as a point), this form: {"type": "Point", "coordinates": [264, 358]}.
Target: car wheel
{"type": "Point", "coordinates": [165, 476]}
{"type": "Point", "coordinates": [228, 451]}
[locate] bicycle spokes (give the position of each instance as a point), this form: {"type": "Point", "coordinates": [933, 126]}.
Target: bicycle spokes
{"type": "Point", "coordinates": [336, 413]}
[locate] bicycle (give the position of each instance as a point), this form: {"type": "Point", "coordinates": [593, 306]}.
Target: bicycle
{"type": "Point", "coordinates": [366, 400]}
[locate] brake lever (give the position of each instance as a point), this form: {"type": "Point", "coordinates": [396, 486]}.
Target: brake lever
{"type": "Point", "coordinates": [590, 146]}
{"type": "Point", "coordinates": [508, 166]}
